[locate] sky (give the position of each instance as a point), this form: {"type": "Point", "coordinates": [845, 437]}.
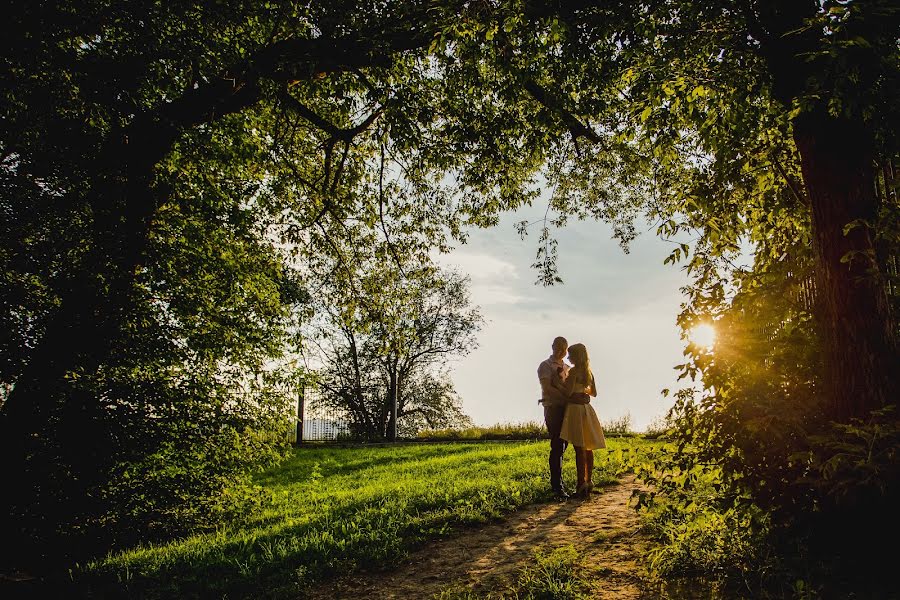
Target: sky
{"type": "Point", "coordinates": [621, 306]}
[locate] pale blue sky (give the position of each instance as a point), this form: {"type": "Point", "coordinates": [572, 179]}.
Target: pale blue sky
{"type": "Point", "coordinates": [621, 306]}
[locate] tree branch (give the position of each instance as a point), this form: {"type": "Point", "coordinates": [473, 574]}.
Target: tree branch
{"type": "Point", "coordinates": [387, 236]}
{"type": "Point", "coordinates": [798, 194]}
{"type": "Point", "coordinates": [336, 133]}
{"type": "Point", "coordinates": [576, 127]}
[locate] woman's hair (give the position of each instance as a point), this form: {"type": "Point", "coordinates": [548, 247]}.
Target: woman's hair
{"type": "Point", "coordinates": [582, 368]}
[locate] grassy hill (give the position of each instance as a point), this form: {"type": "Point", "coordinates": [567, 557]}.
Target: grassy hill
{"type": "Point", "coordinates": [333, 510]}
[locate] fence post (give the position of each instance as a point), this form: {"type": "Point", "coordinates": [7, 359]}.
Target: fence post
{"type": "Point", "coordinates": [392, 399]}
{"type": "Point", "coordinates": [300, 406]}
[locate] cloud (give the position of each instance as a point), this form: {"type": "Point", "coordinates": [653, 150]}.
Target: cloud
{"type": "Point", "coordinates": [494, 280]}
{"type": "Point", "coordinates": [598, 276]}
{"type": "Point", "coordinates": [622, 306]}
{"type": "Point", "coordinates": [483, 267]}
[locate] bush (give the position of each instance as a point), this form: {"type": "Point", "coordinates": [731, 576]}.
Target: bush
{"type": "Point", "coordinates": [531, 430]}
{"type": "Point", "coordinates": [155, 433]}
{"type": "Point", "coordinates": [657, 428]}
{"type": "Point", "coordinates": [191, 483]}
{"type": "Point", "coordinates": [618, 426]}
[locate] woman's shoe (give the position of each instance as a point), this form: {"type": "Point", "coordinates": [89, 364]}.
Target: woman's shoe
{"type": "Point", "coordinates": [590, 486]}
{"type": "Point", "coordinates": [582, 491]}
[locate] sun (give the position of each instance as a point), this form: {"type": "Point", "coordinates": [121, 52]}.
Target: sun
{"type": "Point", "coordinates": [703, 335]}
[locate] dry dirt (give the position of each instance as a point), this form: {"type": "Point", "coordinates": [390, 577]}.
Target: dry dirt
{"type": "Point", "coordinates": [605, 529]}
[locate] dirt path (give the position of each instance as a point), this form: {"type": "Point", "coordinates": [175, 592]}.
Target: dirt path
{"type": "Point", "coordinates": [605, 530]}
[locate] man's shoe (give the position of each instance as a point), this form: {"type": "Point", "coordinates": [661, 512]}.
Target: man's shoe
{"type": "Point", "coordinates": [561, 494]}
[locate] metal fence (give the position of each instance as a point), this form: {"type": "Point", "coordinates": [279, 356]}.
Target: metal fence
{"type": "Point", "coordinates": [318, 420]}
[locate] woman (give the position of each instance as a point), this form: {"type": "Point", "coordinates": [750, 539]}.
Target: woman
{"type": "Point", "coordinates": [581, 427]}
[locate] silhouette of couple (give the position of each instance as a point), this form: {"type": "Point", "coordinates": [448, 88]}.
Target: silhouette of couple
{"type": "Point", "coordinates": [566, 393]}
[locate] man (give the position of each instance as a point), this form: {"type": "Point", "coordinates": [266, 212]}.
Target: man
{"type": "Point", "coordinates": [552, 373]}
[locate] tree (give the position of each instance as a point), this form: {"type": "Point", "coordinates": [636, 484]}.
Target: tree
{"type": "Point", "coordinates": [813, 53]}
{"type": "Point", "coordinates": [706, 110]}
{"type": "Point", "coordinates": [145, 297]}
{"type": "Point", "coordinates": [115, 98]}
{"type": "Point", "coordinates": [105, 102]}
{"type": "Point", "coordinates": [184, 397]}
{"type": "Point", "coordinates": [384, 362]}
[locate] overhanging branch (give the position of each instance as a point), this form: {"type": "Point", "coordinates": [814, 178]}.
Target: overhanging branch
{"type": "Point", "coordinates": [552, 103]}
{"type": "Point", "coordinates": [336, 133]}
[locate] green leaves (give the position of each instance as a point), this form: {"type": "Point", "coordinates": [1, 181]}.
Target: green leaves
{"type": "Point", "coordinates": [677, 254]}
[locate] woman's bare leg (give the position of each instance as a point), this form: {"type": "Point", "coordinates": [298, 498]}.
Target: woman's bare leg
{"type": "Point", "coordinates": [589, 467]}
{"type": "Point", "coordinates": [579, 466]}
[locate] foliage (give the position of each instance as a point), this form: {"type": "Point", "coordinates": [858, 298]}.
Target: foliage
{"type": "Point", "coordinates": [531, 430]}
{"type": "Point", "coordinates": [193, 483]}
{"type": "Point", "coordinates": [431, 403]}
{"type": "Point", "coordinates": [335, 510]}
{"type": "Point", "coordinates": [392, 341]}
{"type": "Point", "coordinates": [755, 431]}
{"type": "Point", "coordinates": [741, 526]}
{"type": "Point", "coordinates": [699, 528]}
{"type": "Point", "coordinates": [166, 170]}
{"type": "Point", "coordinates": [858, 459]}
{"type": "Point", "coordinates": [733, 483]}
{"type": "Point", "coordinates": [178, 178]}
{"type": "Point", "coordinates": [187, 402]}
{"type": "Point", "coordinates": [618, 426]}
{"type": "Point", "coordinates": [712, 107]}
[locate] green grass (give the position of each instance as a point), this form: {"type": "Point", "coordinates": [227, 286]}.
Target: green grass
{"type": "Point", "coordinates": [554, 574]}
{"type": "Point", "coordinates": [335, 510]}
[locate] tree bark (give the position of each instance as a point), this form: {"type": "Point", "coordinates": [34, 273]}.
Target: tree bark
{"type": "Point", "coordinates": [860, 346]}
{"type": "Point", "coordinates": [392, 401]}
{"type": "Point", "coordinates": [92, 311]}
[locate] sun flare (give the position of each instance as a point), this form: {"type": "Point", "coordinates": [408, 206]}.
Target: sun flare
{"type": "Point", "coordinates": [703, 335]}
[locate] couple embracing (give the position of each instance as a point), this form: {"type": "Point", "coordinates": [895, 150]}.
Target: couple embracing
{"type": "Point", "coordinates": [566, 395]}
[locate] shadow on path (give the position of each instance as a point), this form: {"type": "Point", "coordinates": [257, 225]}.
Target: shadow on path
{"type": "Point", "coordinates": [605, 529]}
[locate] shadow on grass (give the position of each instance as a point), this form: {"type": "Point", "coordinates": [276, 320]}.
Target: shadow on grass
{"type": "Point", "coordinates": [415, 494]}
{"type": "Point", "coordinates": [364, 528]}
{"type": "Point", "coordinates": [332, 461]}
{"type": "Point", "coordinates": [282, 562]}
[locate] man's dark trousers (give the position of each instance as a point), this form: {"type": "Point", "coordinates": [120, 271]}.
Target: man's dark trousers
{"type": "Point", "coordinates": [553, 417]}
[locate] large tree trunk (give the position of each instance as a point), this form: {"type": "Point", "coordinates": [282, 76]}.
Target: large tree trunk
{"type": "Point", "coordinates": [92, 311]}
{"type": "Point", "coordinates": [860, 342]}
{"type": "Point", "coordinates": [52, 430]}
{"type": "Point", "coordinates": [54, 436]}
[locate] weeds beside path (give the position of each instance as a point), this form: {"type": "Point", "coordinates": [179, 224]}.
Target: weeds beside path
{"type": "Point", "coordinates": [605, 531]}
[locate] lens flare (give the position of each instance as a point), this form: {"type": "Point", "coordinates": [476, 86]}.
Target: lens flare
{"type": "Point", "coordinates": [703, 335]}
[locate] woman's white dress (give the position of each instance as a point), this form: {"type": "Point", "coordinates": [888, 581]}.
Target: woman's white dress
{"type": "Point", "coordinates": [581, 426]}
